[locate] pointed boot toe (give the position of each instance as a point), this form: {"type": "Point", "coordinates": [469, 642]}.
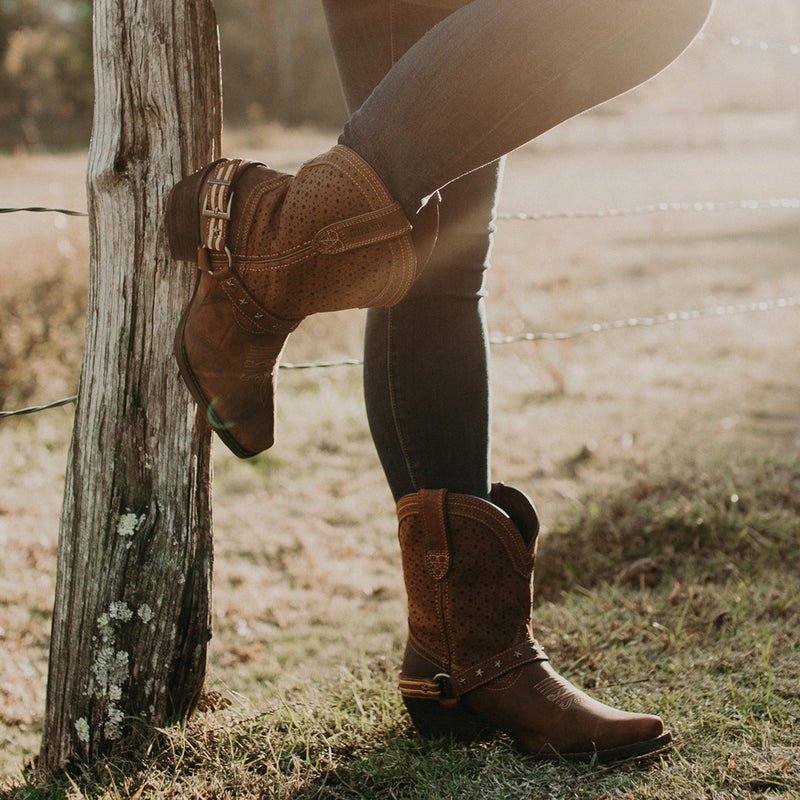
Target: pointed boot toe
{"type": "Point", "coordinates": [549, 718]}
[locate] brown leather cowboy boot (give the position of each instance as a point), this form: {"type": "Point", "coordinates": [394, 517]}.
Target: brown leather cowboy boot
{"type": "Point", "coordinates": [271, 249]}
{"type": "Point", "coordinates": [472, 666]}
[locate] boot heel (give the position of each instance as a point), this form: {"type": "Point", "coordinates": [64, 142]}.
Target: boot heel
{"type": "Point", "coordinates": [434, 721]}
{"type": "Point", "coordinates": [182, 217]}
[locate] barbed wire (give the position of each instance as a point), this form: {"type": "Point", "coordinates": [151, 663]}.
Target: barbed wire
{"type": "Point", "coordinates": [658, 208]}
{"type": "Point", "coordinates": [658, 319]}
{"type": "Point", "coordinates": [696, 206]}
{"type": "Point", "coordinates": [595, 327]}
{"type": "Point", "coordinates": [755, 44]}
{"type": "Point", "coordinates": [41, 209]}
{"type": "Point", "coordinates": [34, 409]}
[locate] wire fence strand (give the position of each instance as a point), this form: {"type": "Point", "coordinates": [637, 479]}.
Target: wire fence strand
{"type": "Point", "coordinates": [696, 206]}
{"type": "Point", "coordinates": [595, 327]}
{"type": "Point", "coordinates": [660, 208]}
{"type": "Point", "coordinates": [68, 212]}
{"type": "Point", "coordinates": [34, 409]}
{"type": "Point", "coordinates": [753, 44]}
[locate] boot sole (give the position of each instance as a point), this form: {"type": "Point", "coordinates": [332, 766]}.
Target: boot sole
{"type": "Point", "coordinates": [433, 721]}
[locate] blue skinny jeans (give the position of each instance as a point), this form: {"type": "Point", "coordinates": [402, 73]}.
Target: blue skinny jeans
{"type": "Point", "coordinates": [438, 92]}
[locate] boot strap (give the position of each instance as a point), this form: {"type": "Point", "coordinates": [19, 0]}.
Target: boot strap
{"type": "Point", "coordinates": [218, 200]}
{"type": "Point", "coordinates": [371, 227]}
{"type": "Point", "coordinates": [433, 514]}
{"type": "Point", "coordinates": [451, 686]}
{"type": "Point", "coordinates": [214, 256]}
{"type": "Point", "coordinates": [259, 319]}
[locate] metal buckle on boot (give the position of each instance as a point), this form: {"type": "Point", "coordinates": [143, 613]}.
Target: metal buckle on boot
{"type": "Point", "coordinates": [218, 213]}
{"type": "Point", "coordinates": [204, 262]}
{"type": "Point", "coordinates": [218, 219]}
{"type": "Point", "coordinates": [446, 698]}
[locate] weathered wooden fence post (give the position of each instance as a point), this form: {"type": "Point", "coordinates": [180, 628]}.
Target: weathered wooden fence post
{"type": "Point", "coordinates": [132, 609]}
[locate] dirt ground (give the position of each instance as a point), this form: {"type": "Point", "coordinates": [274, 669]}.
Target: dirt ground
{"type": "Point", "coordinates": [307, 569]}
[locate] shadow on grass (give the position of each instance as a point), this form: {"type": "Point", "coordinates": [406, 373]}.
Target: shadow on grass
{"type": "Point", "coordinates": [299, 753]}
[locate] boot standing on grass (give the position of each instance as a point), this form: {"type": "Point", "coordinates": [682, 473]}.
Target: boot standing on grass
{"type": "Point", "coordinates": [438, 91]}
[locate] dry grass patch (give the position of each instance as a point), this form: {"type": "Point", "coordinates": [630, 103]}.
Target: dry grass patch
{"type": "Point", "coordinates": [714, 647]}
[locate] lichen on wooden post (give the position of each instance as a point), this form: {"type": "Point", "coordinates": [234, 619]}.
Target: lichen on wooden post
{"type": "Point", "coordinates": [132, 610]}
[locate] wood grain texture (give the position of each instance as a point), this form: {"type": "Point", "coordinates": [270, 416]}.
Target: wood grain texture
{"type": "Point", "coordinates": [132, 611]}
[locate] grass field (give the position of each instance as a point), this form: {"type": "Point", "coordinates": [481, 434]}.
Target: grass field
{"type": "Point", "coordinates": [675, 443]}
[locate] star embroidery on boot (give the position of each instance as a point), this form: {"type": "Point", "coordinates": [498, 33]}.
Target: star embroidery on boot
{"type": "Point", "coordinates": [479, 672]}
{"type": "Point", "coordinates": [517, 654]}
{"type": "Point", "coordinates": [498, 664]}
{"type": "Point", "coordinates": [329, 240]}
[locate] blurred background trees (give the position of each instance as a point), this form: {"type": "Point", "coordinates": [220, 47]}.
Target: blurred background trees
{"type": "Point", "coordinates": [277, 65]}
{"type": "Point", "coordinates": [45, 72]}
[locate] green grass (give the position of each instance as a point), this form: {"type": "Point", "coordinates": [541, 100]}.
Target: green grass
{"type": "Point", "coordinates": [713, 646]}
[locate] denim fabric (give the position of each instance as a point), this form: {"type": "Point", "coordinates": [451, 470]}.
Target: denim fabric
{"type": "Point", "coordinates": [495, 74]}
{"type": "Point", "coordinates": [426, 378]}
{"type": "Point", "coordinates": [439, 91]}
{"type": "Point", "coordinates": [426, 374]}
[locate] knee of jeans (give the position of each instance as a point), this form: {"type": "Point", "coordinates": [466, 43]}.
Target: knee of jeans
{"type": "Point", "coordinates": [459, 261]}
{"type": "Point", "coordinates": [697, 11]}
{"type": "Point", "coordinates": [681, 19]}
{"type": "Point", "coordinates": [457, 267]}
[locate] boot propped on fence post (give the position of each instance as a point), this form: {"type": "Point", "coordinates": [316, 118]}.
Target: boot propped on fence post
{"type": "Point", "coordinates": [132, 609]}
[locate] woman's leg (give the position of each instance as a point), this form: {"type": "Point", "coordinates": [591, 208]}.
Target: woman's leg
{"type": "Point", "coordinates": [495, 74]}
{"type": "Point", "coordinates": [471, 665]}
{"type": "Point", "coordinates": [426, 375]}
{"type": "Point", "coordinates": [426, 359]}
{"type": "Point", "coordinates": [274, 248]}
